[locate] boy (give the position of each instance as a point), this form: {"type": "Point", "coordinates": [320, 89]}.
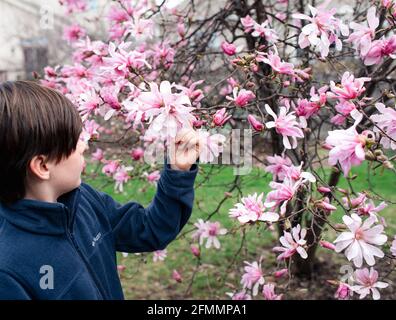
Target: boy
{"type": "Point", "coordinates": [58, 236]}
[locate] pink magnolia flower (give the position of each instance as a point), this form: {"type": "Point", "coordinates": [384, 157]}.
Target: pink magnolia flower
{"type": "Point", "coordinates": [386, 120]}
{"type": "Point", "coordinates": [170, 111]}
{"type": "Point", "coordinates": [177, 276]}
{"type": "Point", "coordinates": [257, 125]}
{"type": "Point", "coordinates": [281, 273]}
{"type": "Point", "coordinates": [241, 97]}
{"type": "Point", "coordinates": [252, 209]}
{"type": "Point", "coordinates": [361, 241]}
{"type": "Point", "coordinates": [327, 245]}
{"type": "Point", "coordinates": [368, 282]}
{"type": "Point", "coordinates": [292, 242]}
{"type": "Point", "coordinates": [350, 87]}
{"type": "Point", "coordinates": [88, 103]}
{"type": "Point", "coordinates": [343, 292]}
{"type": "Point", "coordinates": [90, 131]}
{"type": "Point", "coordinates": [283, 192]}
{"type": "Point", "coordinates": [286, 125]}
{"type": "Point", "coordinates": [362, 36]}
{"type": "Point", "coordinates": [228, 48]}
{"type": "Point", "coordinates": [269, 292]}
{"type": "Point", "coordinates": [380, 49]}
{"type": "Point", "coordinates": [370, 209]}
{"type": "Point", "coordinates": [159, 255]}
{"type": "Point", "coordinates": [239, 295]}
{"type": "Point", "coordinates": [73, 33]}
{"type": "Point", "coordinates": [325, 205]}
{"type": "Point", "coordinates": [74, 5]}
{"type": "Point", "coordinates": [253, 277]}
{"type": "Point", "coordinates": [273, 59]}
{"type": "Point", "coordinates": [110, 168]}
{"type": "Point", "coordinates": [278, 166]}
{"type": "Point", "coordinates": [323, 29]}
{"type": "Point", "coordinates": [210, 146]}
{"type": "Point", "coordinates": [248, 23]}
{"type": "Point", "coordinates": [353, 203]}
{"type": "Point", "coordinates": [123, 61]}
{"type": "Point", "coordinates": [153, 176]}
{"type": "Point", "coordinates": [209, 231]}
{"type": "Point", "coordinates": [347, 147]}
{"type": "Point", "coordinates": [137, 154]}
{"type": "Point", "coordinates": [344, 108]}
{"type": "Point", "coordinates": [195, 251]}
{"type": "Point", "coordinates": [393, 247]}
{"type": "Point", "coordinates": [98, 155]}
{"type": "Point", "coordinates": [263, 30]}
{"type": "Point", "coordinates": [221, 117]}
{"type": "Point", "coordinates": [121, 176]}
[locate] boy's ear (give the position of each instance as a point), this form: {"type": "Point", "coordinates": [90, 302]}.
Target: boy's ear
{"type": "Point", "coordinates": [39, 167]}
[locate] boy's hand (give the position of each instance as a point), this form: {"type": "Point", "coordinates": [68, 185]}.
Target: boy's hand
{"type": "Point", "coordinates": [184, 149]}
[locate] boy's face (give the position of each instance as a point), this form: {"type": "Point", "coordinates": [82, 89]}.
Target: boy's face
{"type": "Point", "coordinates": [66, 175]}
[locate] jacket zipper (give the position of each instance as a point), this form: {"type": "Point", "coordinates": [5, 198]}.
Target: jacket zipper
{"type": "Point", "coordinates": [80, 253]}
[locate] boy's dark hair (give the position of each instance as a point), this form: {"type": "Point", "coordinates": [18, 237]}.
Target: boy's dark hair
{"type": "Point", "coordinates": [34, 120]}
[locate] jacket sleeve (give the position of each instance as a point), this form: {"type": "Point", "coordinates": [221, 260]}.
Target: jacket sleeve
{"type": "Point", "coordinates": [11, 289]}
{"type": "Point", "coordinates": [139, 229]}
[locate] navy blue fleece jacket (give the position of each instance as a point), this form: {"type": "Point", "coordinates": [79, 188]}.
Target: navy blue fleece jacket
{"type": "Point", "coordinates": [67, 250]}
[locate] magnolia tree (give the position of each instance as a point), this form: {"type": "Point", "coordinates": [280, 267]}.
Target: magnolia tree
{"type": "Point", "coordinates": [311, 81]}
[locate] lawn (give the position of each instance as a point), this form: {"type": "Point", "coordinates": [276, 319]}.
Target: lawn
{"type": "Point", "coordinates": [218, 271]}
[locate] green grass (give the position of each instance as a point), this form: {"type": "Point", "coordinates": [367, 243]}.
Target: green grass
{"type": "Point", "coordinates": [219, 270]}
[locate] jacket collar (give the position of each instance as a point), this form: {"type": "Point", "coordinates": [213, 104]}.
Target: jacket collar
{"type": "Point", "coordinates": [43, 217]}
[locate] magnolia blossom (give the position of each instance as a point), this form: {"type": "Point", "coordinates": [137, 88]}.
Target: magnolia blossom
{"type": "Point", "coordinates": [110, 167]}
{"type": "Point", "coordinates": [241, 97]}
{"type": "Point", "coordinates": [263, 30]}
{"type": "Point", "coordinates": [278, 166]}
{"type": "Point", "coordinates": [221, 117]}
{"type": "Point", "coordinates": [380, 49]}
{"type": "Point", "coordinates": [269, 292]}
{"type": "Point", "coordinates": [292, 242]}
{"type": "Point", "coordinates": [177, 276]}
{"type": "Point", "coordinates": [386, 121]}
{"type": "Point", "coordinates": [239, 295]}
{"type": "Point", "coordinates": [152, 177]}
{"type": "Point", "coordinates": [253, 277]}
{"type": "Point", "coordinates": [137, 154]}
{"type": "Point", "coordinates": [209, 231]}
{"type": "Point", "coordinates": [210, 145]}
{"type": "Point", "coordinates": [169, 112]}
{"type": "Point", "coordinates": [283, 192]}
{"type": "Point", "coordinates": [159, 255]}
{"type": "Point", "coordinates": [123, 61]}
{"type": "Point", "coordinates": [361, 240]}
{"type": "Point", "coordinates": [279, 66]}
{"type": "Point", "coordinates": [343, 292]}
{"type": "Point", "coordinates": [257, 125]}
{"type": "Point", "coordinates": [98, 155]}
{"type": "Point", "coordinates": [73, 33]}
{"type": "Point", "coordinates": [286, 125]}
{"type": "Point", "coordinates": [350, 87]}
{"type": "Point", "coordinates": [121, 176]}
{"type": "Point", "coordinates": [252, 209]}
{"type": "Point", "coordinates": [368, 282]}
{"type": "Point", "coordinates": [228, 48]}
{"type": "Point", "coordinates": [323, 29]}
{"type": "Point", "coordinates": [362, 35]}
{"type": "Point", "coordinates": [74, 5]}
{"type": "Point", "coordinates": [347, 147]}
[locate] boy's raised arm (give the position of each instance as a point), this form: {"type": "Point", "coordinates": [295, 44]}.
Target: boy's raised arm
{"type": "Point", "coordinates": [139, 229]}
